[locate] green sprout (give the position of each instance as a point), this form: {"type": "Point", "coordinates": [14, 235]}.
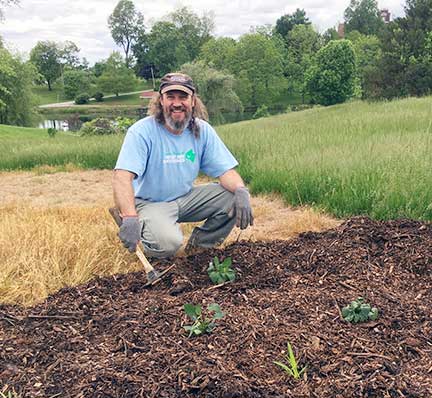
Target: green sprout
{"type": "Point", "coordinates": [202, 324]}
{"type": "Point", "coordinates": [8, 394]}
{"type": "Point", "coordinates": [359, 311]}
{"type": "Point", "coordinates": [221, 272]}
{"type": "Point", "coordinates": [291, 368]}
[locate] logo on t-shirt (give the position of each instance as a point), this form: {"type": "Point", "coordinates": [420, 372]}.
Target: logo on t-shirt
{"type": "Point", "coordinates": [190, 155]}
{"type": "Point", "coordinates": [180, 157]}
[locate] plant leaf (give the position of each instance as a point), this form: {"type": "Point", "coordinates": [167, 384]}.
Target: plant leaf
{"type": "Point", "coordinates": [193, 311]}
{"type": "Point", "coordinates": [227, 262]}
{"type": "Point", "coordinates": [373, 315]}
{"type": "Point", "coordinates": [284, 367]}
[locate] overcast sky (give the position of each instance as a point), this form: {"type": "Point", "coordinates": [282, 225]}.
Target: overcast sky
{"type": "Point", "coordinates": [85, 21]}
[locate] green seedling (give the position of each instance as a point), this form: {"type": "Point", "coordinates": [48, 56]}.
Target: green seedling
{"type": "Point", "coordinates": [221, 272]}
{"type": "Point", "coordinates": [202, 324]}
{"type": "Point", "coordinates": [291, 368]}
{"type": "Point", "coordinates": [359, 311]}
{"type": "Point", "coordinates": [8, 394]}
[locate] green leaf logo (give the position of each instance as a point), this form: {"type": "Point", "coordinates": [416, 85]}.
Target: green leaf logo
{"type": "Point", "coordinates": [190, 155]}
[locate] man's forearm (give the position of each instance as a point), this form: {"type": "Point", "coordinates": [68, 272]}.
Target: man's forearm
{"type": "Point", "coordinates": [124, 196]}
{"type": "Point", "coordinates": [231, 180]}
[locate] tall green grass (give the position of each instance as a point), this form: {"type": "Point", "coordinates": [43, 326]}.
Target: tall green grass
{"type": "Point", "coordinates": [26, 148]}
{"type": "Point", "coordinates": [357, 158]}
{"type": "Point", "coordinates": [350, 159]}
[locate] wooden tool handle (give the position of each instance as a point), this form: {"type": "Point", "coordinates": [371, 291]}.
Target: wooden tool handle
{"type": "Point", "coordinates": [118, 220]}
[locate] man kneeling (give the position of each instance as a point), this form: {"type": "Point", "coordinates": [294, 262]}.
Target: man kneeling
{"type": "Point", "coordinates": [160, 159]}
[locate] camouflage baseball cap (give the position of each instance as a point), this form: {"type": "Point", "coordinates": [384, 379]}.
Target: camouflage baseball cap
{"type": "Point", "coordinates": [177, 81]}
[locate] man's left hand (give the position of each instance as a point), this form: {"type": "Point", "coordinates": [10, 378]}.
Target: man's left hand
{"type": "Point", "coordinates": [242, 207]}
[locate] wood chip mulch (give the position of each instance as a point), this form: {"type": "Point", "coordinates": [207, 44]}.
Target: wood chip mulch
{"type": "Point", "coordinates": [114, 338]}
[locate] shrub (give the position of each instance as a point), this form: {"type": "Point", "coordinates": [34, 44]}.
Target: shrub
{"type": "Point", "coordinates": [123, 123]}
{"type": "Point", "coordinates": [332, 78]}
{"type": "Point", "coordinates": [98, 126]}
{"type": "Point", "coordinates": [98, 96]}
{"type": "Point", "coordinates": [52, 132]}
{"type": "Point", "coordinates": [75, 82]}
{"type": "Point", "coordinates": [262, 111]}
{"type": "Point", "coordinates": [82, 99]}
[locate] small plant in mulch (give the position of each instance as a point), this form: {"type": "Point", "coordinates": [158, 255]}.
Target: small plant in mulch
{"type": "Point", "coordinates": [221, 272]}
{"type": "Point", "coordinates": [203, 323]}
{"type": "Point", "coordinates": [359, 311]}
{"type": "Point", "coordinates": [291, 366]}
{"type": "Point", "coordinates": [8, 394]}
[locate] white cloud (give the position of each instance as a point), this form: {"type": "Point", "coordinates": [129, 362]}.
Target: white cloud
{"type": "Point", "coordinates": [85, 21]}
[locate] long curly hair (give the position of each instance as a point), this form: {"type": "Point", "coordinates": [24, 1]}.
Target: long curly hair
{"type": "Point", "coordinates": [198, 111]}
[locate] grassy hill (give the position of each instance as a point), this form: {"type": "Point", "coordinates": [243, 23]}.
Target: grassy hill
{"type": "Point", "coordinates": [349, 159]}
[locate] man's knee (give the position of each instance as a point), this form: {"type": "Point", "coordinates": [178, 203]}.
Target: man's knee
{"type": "Point", "coordinates": [225, 199]}
{"type": "Point", "coordinates": [164, 247]}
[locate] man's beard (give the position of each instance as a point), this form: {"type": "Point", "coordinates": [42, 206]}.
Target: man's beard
{"type": "Point", "coordinates": [177, 125]}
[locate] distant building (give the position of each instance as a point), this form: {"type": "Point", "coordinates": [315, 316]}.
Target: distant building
{"type": "Point", "coordinates": [385, 15]}
{"type": "Point", "coordinates": [341, 30]}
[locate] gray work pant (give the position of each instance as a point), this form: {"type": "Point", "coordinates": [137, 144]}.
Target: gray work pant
{"type": "Point", "coordinates": [161, 234]}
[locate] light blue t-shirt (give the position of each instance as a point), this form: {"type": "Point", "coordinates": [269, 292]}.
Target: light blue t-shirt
{"type": "Point", "coordinates": [166, 164]}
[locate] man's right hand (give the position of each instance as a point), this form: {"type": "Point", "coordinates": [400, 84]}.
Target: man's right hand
{"type": "Point", "coordinates": [130, 232]}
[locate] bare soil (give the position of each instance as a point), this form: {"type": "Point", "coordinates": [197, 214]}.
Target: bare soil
{"type": "Point", "coordinates": [113, 337]}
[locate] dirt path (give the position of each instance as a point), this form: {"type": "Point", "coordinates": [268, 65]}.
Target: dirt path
{"type": "Point", "coordinates": [273, 219]}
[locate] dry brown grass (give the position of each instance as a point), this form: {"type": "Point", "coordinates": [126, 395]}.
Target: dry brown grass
{"type": "Point", "coordinates": [57, 232]}
{"type": "Point", "coordinates": [43, 250]}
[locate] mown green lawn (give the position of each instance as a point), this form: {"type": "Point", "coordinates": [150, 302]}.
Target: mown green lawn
{"type": "Point", "coordinates": [351, 159]}
{"type": "Point", "coordinates": [56, 95]}
{"type": "Point", "coordinates": [49, 97]}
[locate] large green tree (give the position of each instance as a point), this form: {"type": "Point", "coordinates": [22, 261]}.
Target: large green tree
{"type": "Point", "coordinates": [76, 82]}
{"type": "Point", "coordinates": [303, 44]}
{"type": "Point", "coordinates": [193, 30]}
{"type": "Point", "coordinates": [406, 66]}
{"type": "Point", "coordinates": [117, 77]}
{"type": "Point", "coordinates": [287, 22]}
{"type": "Point", "coordinates": [68, 55]}
{"type": "Point", "coordinates": [52, 59]}
{"type": "Point", "coordinates": [332, 77]}
{"type": "Point", "coordinates": [219, 53]}
{"type": "Point", "coordinates": [258, 67]}
{"type": "Point", "coordinates": [215, 88]}
{"type": "Point", "coordinates": [16, 98]}
{"type": "Point", "coordinates": [368, 57]}
{"type": "Point", "coordinates": [363, 16]}
{"type": "Point", "coordinates": [172, 41]}
{"type": "Point", "coordinates": [46, 57]}
{"type": "Point", "coordinates": [126, 25]}
{"type": "Point", "coordinates": [163, 48]}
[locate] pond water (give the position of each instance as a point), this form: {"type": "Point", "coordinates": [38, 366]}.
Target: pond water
{"type": "Point", "coordinates": [72, 123]}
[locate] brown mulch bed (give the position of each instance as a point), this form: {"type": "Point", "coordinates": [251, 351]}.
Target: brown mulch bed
{"type": "Point", "coordinates": [114, 338]}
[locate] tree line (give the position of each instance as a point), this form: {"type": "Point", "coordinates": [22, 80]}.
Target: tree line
{"type": "Point", "coordinates": [374, 60]}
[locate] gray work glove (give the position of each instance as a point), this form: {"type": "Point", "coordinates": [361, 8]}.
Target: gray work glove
{"type": "Point", "coordinates": [242, 207]}
{"type": "Point", "coordinates": [130, 232]}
